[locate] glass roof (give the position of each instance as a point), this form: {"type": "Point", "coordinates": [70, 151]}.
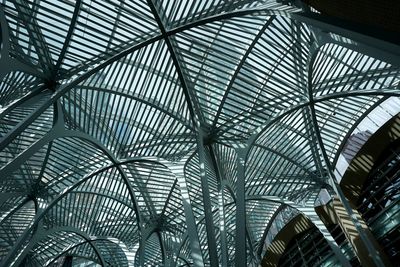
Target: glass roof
{"type": "Point", "coordinates": [146, 133]}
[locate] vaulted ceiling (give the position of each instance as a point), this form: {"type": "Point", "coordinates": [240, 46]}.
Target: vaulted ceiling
{"type": "Point", "coordinates": [158, 132]}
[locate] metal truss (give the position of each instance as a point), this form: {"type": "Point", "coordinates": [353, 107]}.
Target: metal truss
{"type": "Point", "coordinates": [175, 133]}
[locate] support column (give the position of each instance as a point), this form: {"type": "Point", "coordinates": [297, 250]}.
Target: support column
{"type": "Point", "coordinates": [240, 249]}
{"type": "Point", "coordinates": [146, 232]}
{"type": "Point", "coordinates": [212, 244]}
{"type": "Point", "coordinates": [193, 236]}
{"type": "Point", "coordinates": [221, 208]}
{"type": "Point", "coordinates": [373, 255]}
{"type": "Point", "coordinates": [222, 228]}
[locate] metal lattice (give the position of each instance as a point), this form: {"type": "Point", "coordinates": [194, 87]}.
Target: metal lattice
{"type": "Point", "coordinates": [170, 132]}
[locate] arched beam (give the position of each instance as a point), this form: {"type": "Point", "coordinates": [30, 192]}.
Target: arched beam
{"type": "Point", "coordinates": [41, 235]}
{"type": "Point", "coordinates": [194, 110]}
{"type": "Point", "coordinates": [67, 86]}
{"type": "Point", "coordinates": [50, 137]}
{"type": "Point", "coordinates": [68, 37]}
{"type": "Point", "coordinates": [325, 160]}
{"type": "Point", "coordinates": [267, 228]}
{"type": "Point", "coordinates": [261, 129]}
{"type": "Point", "coordinates": [92, 240]}
{"type": "Point", "coordinates": [56, 133]}
{"type": "Point", "coordinates": [25, 13]}
{"type": "Point", "coordinates": [309, 212]}
{"type": "Point", "coordinates": [239, 67]}
{"type": "Point", "coordinates": [365, 44]}
{"type": "Point", "coordinates": [14, 209]}
{"type": "Point", "coordinates": [150, 102]}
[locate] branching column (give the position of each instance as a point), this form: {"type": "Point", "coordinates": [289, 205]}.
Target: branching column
{"type": "Point", "coordinates": [189, 216]}
{"type": "Point", "coordinates": [240, 250]}
{"type": "Point", "coordinates": [212, 244]}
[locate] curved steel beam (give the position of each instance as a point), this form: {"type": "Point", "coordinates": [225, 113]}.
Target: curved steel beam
{"type": "Point", "coordinates": [280, 154]}
{"type": "Point", "coordinates": [167, 140]}
{"type": "Point", "coordinates": [239, 67]}
{"type": "Point", "coordinates": [6, 139]}
{"type": "Point", "coordinates": [80, 256]}
{"type": "Point", "coordinates": [25, 13]}
{"type": "Point", "coordinates": [97, 238]}
{"type": "Point", "coordinates": [325, 159]}
{"type": "Point", "coordinates": [5, 35]}
{"type": "Point", "coordinates": [50, 137]}
{"type": "Point", "coordinates": [193, 107]}
{"type": "Point", "coordinates": [39, 216]}
{"type": "Point", "coordinates": [58, 133]}
{"type": "Point", "coordinates": [49, 263]}
{"type": "Point", "coordinates": [169, 196]}
{"type": "Point", "coordinates": [355, 125]}
{"type": "Point", "coordinates": [64, 88]}
{"type": "Point", "coordinates": [45, 234]}
{"type": "Point", "coordinates": [15, 208]}
{"type": "Point", "coordinates": [115, 163]}
{"type": "Point", "coordinates": [150, 102]}
{"type": "Point", "coordinates": [68, 38]}
{"type": "Point", "coordinates": [103, 195]}
{"type": "Point", "coordinates": [13, 165]}
{"type": "Point", "coordinates": [243, 118]}
{"type": "Point", "coordinates": [197, 23]}
{"type": "Point", "coordinates": [258, 132]}
{"type": "Point", "coordinates": [185, 238]}
{"type": "Point", "coordinates": [21, 100]}
{"type": "Point", "coordinates": [185, 260]}
{"type": "Point", "coordinates": [380, 49]}
{"type": "Point", "coordinates": [9, 64]}
{"type": "Point", "coordinates": [266, 230]}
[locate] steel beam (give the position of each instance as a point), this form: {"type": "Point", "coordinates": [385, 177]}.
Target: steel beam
{"type": "Point", "coordinates": [368, 45]}
{"type": "Point", "coordinates": [25, 13]}
{"type": "Point", "coordinates": [68, 38]}
{"type": "Point", "coordinates": [332, 180]}
{"type": "Point", "coordinates": [178, 170]}
{"type": "Point", "coordinates": [42, 234]}
{"type": "Point", "coordinates": [212, 244]}
{"type": "Point", "coordinates": [239, 67]}
{"type": "Point", "coordinates": [221, 209]}
{"type": "Point", "coordinates": [267, 228]}
{"type": "Point", "coordinates": [190, 99]}
{"type": "Point", "coordinates": [240, 236]}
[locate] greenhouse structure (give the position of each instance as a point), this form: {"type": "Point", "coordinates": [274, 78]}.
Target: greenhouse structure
{"type": "Point", "coordinates": [199, 133]}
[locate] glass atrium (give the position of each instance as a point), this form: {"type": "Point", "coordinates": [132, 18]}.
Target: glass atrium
{"type": "Point", "coordinates": [194, 133]}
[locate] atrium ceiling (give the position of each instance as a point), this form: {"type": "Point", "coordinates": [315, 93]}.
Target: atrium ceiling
{"type": "Point", "coordinates": [146, 133]}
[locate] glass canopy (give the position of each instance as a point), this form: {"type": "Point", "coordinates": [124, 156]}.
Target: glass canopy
{"type": "Point", "coordinates": [147, 133]}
